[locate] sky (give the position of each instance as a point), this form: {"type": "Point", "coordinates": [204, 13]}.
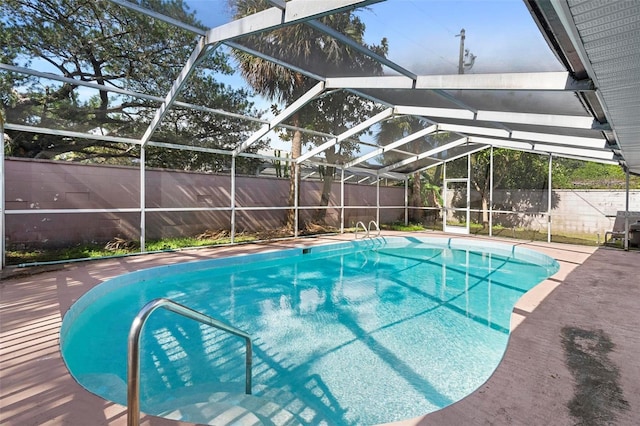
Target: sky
{"type": "Point", "coordinates": [422, 33]}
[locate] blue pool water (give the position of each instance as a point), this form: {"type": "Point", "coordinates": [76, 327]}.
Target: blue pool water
{"type": "Point", "coordinates": [350, 333]}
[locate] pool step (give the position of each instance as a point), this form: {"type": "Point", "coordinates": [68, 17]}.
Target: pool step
{"type": "Point", "coordinates": [271, 408]}
{"type": "Point", "coordinates": [222, 408]}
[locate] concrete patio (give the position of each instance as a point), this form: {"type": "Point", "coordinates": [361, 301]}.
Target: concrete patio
{"type": "Point", "coordinates": [572, 356]}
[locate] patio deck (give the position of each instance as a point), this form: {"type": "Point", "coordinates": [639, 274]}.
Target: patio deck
{"type": "Point", "coordinates": [572, 356]}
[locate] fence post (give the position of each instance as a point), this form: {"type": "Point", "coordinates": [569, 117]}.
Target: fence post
{"type": "Point", "coordinates": [550, 193]}
{"type": "Point", "coordinates": [2, 203]}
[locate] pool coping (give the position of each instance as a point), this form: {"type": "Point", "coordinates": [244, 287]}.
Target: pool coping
{"type": "Point", "coordinates": [35, 387]}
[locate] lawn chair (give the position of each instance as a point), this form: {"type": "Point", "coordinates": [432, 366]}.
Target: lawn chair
{"type": "Point", "coordinates": [617, 233]}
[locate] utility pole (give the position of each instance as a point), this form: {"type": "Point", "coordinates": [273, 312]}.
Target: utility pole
{"type": "Point", "coordinates": [466, 58]}
{"type": "Point", "coordinates": [461, 59]}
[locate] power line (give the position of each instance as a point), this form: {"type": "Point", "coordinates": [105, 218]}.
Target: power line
{"type": "Point", "coordinates": [429, 16]}
{"type": "Point", "coordinates": [411, 39]}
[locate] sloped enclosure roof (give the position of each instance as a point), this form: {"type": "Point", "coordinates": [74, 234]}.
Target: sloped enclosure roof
{"type": "Point", "coordinates": [599, 40]}
{"type": "Point", "coordinates": [588, 108]}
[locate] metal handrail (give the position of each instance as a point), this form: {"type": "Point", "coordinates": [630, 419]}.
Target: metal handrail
{"type": "Point", "coordinates": [376, 225]}
{"type": "Point", "coordinates": [133, 359]}
{"type": "Point", "coordinates": [366, 230]}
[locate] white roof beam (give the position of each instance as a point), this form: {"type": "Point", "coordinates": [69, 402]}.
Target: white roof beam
{"type": "Point", "coordinates": [373, 82]}
{"type": "Point", "coordinates": [71, 134]}
{"type": "Point", "coordinates": [548, 120]}
{"type": "Point", "coordinates": [537, 81]}
{"type": "Point", "coordinates": [388, 82]}
{"type": "Point", "coordinates": [594, 160]}
{"type": "Point", "coordinates": [581, 142]}
{"type": "Point", "coordinates": [517, 145]}
{"type": "Point", "coordinates": [580, 152]}
{"type": "Point", "coordinates": [295, 11]}
{"type": "Point", "coordinates": [119, 139]}
{"type": "Point", "coordinates": [425, 154]}
{"type": "Point", "coordinates": [393, 145]}
{"type": "Point", "coordinates": [354, 130]}
{"type": "Point", "coordinates": [531, 146]}
{"type": "Point", "coordinates": [286, 113]}
{"type": "Point", "coordinates": [554, 120]}
{"type": "Point", "coordinates": [545, 81]}
{"type": "Point", "coordinates": [435, 112]}
{"type": "Point", "coordinates": [485, 131]}
{"type": "Point", "coordinates": [196, 56]}
{"type": "Point", "coordinates": [576, 141]}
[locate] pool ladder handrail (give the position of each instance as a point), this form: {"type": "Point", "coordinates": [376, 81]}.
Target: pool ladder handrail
{"type": "Point", "coordinates": [367, 229]}
{"type": "Point", "coordinates": [133, 357]}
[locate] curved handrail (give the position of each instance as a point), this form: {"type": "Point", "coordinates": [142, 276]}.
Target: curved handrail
{"type": "Point", "coordinates": [376, 225]}
{"type": "Point", "coordinates": [133, 358]}
{"type": "Point", "coordinates": [366, 230]}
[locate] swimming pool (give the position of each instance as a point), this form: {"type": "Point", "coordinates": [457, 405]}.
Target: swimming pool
{"type": "Point", "coordinates": [359, 332]}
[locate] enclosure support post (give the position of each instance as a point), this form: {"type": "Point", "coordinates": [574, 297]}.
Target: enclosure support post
{"type": "Point", "coordinates": [2, 201]}
{"type": "Point", "coordinates": [378, 201]}
{"type": "Point", "coordinates": [143, 196]}
{"type": "Point", "coordinates": [233, 199]}
{"type": "Point", "coordinates": [444, 196]}
{"type": "Point", "coordinates": [468, 192]}
{"type": "Point", "coordinates": [406, 200]}
{"type": "Point", "coordinates": [296, 192]}
{"type": "Point", "coordinates": [626, 210]}
{"type": "Point", "coordinates": [549, 194]}
{"type": "Point", "coordinates": [491, 191]}
{"type": "Point", "coordinates": [342, 201]}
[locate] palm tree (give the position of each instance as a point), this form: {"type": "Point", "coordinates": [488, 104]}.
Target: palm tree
{"type": "Point", "coordinates": [306, 47]}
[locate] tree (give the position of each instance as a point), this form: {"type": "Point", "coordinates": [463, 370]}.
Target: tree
{"type": "Point", "coordinates": [577, 174]}
{"type": "Point", "coordinates": [511, 170]}
{"type": "Point", "coordinates": [98, 41]}
{"type": "Point", "coordinates": [302, 45]}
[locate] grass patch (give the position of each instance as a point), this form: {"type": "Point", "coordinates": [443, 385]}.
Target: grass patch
{"type": "Point", "coordinates": [120, 247]}
{"type": "Point", "coordinates": [535, 235]}
{"type": "Point", "coordinates": [179, 243]}
{"type": "Point", "coordinates": [16, 257]}
{"type": "Point", "coordinates": [412, 227]}
{"type": "Point", "coordinates": [115, 247]}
